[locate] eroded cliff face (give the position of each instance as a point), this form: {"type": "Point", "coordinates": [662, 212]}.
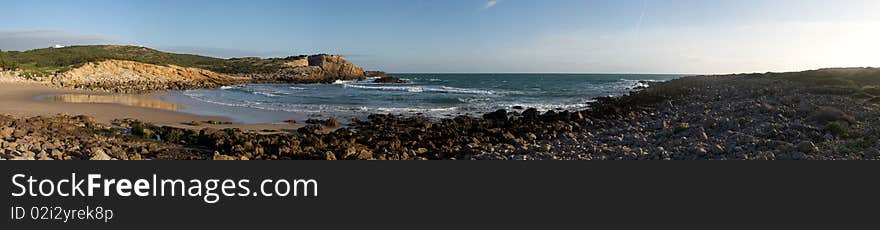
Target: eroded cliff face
{"type": "Point", "coordinates": [129, 76]}
{"type": "Point", "coordinates": [335, 65]}
{"type": "Point", "coordinates": [135, 77]}
{"type": "Point", "coordinates": [320, 69]}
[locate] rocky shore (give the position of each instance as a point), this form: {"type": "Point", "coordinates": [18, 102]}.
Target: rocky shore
{"type": "Point", "coordinates": [815, 115]}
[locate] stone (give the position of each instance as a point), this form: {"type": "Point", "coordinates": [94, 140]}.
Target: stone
{"type": "Point", "coordinates": [57, 154]}
{"type": "Point", "coordinates": [701, 151]}
{"type": "Point", "coordinates": [221, 157]}
{"type": "Point", "coordinates": [798, 156]}
{"type": "Point", "coordinates": [700, 134]}
{"type": "Point", "coordinates": [872, 152]}
{"type": "Point", "coordinates": [21, 158]}
{"type": "Point", "coordinates": [498, 115]}
{"type": "Point", "coordinates": [807, 147]}
{"type": "Point", "coordinates": [29, 154]}
{"type": "Point", "coordinates": [663, 124]}
{"type": "Point", "coordinates": [98, 154]}
{"type": "Point", "coordinates": [531, 114]}
{"type": "Point", "coordinates": [19, 133]}
{"type": "Point", "coordinates": [6, 132]}
{"type": "Point", "coordinates": [365, 155]}
{"type": "Point", "coordinates": [331, 122]}
{"type": "Point", "coordinates": [717, 149]}
{"type": "Point", "coordinates": [43, 156]}
{"type": "Point", "coordinates": [531, 136]}
{"type": "Point", "coordinates": [390, 80]}
{"type": "Point", "coordinates": [329, 156]}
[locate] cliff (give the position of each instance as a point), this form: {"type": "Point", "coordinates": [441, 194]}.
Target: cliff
{"type": "Point", "coordinates": [317, 69]}
{"type": "Point", "coordinates": [129, 76]}
{"type": "Point", "coordinates": [139, 69]}
{"type": "Point", "coordinates": [335, 65]}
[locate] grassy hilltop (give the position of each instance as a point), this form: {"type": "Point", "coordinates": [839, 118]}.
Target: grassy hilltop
{"type": "Point", "coordinates": [51, 60]}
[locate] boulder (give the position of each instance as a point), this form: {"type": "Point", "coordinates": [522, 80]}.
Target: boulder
{"type": "Point", "coordinates": [499, 115]}
{"type": "Point", "coordinates": [98, 154]}
{"type": "Point", "coordinates": [331, 122]}
{"type": "Point", "coordinates": [221, 157]}
{"type": "Point", "coordinates": [531, 114]}
{"type": "Point", "coordinates": [807, 147]}
{"type": "Point", "coordinates": [329, 156]}
{"type": "Point", "coordinates": [43, 156]}
{"type": "Point", "coordinates": [6, 132]}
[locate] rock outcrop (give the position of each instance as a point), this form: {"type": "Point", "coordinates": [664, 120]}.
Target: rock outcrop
{"type": "Point", "coordinates": [376, 74]}
{"type": "Point", "coordinates": [336, 66]}
{"type": "Point", "coordinates": [129, 76]}
{"type": "Point", "coordinates": [388, 79]}
{"type": "Point", "coordinates": [136, 68]}
{"type": "Point", "coordinates": [320, 69]}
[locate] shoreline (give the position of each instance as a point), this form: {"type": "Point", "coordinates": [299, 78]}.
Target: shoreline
{"type": "Point", "coordinates": [21, 99]}
{"type": "Point", "coordinates": [827, 114]}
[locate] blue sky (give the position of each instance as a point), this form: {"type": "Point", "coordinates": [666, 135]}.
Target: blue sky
{"type": "Point", "coordinates": [608, 36]}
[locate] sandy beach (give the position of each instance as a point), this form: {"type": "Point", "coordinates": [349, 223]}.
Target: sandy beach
{"type": "Point", "coordinates": [30, 99]}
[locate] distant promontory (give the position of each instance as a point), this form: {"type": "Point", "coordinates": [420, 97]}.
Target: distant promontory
{"type": "Point", "coordinates": [115, 68]}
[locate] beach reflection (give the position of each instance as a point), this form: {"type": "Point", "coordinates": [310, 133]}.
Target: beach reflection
{"type": "Point", "coordinates": [130, 100]}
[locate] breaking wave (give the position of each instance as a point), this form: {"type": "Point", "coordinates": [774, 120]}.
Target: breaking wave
{"type": "Point", "coordinates": [419, 89]}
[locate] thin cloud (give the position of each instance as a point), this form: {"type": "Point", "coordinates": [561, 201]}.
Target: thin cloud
{"type": "Point", "coordinates": [490, 4]}
{"type": "Point", "coordinates": [223, 52]}
{"type": "Point", "coordinates": [37, 38]}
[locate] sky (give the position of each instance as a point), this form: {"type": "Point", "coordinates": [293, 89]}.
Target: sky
{"type": "Point", "coordinates": [471, 36]}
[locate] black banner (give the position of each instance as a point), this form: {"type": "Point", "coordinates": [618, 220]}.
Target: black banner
{"type": "Point", "coordinates": [453, 195]}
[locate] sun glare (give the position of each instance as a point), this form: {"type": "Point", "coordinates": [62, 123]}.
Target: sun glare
{"type": "Point", "coordinates": [857, 47]}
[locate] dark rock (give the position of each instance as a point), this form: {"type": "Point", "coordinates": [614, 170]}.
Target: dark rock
{"type": "Point", "coordinates": [389, 79]}
{"type": "Point", "coordinates": [375, 74]}
{"type": "Point", "coordinates": [193, 123]}
{"type": "Point", "coordinates": [531, 114]}
{"type": "Point", "coordinates": [331, 122]}
{"type": "Point", "coordinates": [807, 147]}
{"type": "Point", "coordinates": [499, 115]}
{"type": "Point", "coordinates": [310, 129]}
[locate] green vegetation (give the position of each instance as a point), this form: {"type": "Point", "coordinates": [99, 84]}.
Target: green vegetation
{"type": "Point", "coordinates": [836, 128]}
{"type": "Point", "coordinates": [6, 62]}
{"type": "Point", "coordinates": [682, 127]}
{"type": "Point", "coordinates": [859, 83]}
{"type": "Point", "coordinates": [58, 59]}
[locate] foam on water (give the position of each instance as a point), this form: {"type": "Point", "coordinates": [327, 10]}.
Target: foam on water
{"type": "Point", "coordinates": [432, 95]}
{"type": "Point", "coordinates": [419, 89]}
{"type": "Point", "coordinates": [412, 89]}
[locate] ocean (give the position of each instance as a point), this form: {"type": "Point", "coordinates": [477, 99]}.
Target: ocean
{"type": "Point", "coordinates": [430, 95]}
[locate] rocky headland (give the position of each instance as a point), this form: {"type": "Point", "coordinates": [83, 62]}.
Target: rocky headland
{"type": "Point", "coordinates": [130, 69]}
{"type": "Point", "coordinates": [830, 114]}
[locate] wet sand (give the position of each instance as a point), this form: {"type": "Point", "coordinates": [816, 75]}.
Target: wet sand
{"type": "Point", "coordinates": [27, 99]}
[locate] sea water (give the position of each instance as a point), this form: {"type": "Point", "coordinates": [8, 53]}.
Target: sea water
{"type": "Point", "coordinates": [430, 95]}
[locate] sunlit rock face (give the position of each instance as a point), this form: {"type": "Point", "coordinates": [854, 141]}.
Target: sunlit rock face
{"type": "Point", "coordinates": [336, 65]}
